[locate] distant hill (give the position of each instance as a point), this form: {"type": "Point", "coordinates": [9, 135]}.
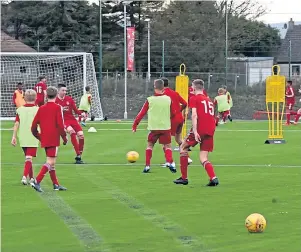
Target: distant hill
{"type": "Point", "coordinates": [282, 31]}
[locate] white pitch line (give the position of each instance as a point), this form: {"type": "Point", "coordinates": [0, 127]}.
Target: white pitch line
{"type": "Point", "coordinates": [218, 130]}
{"type": "Point", "coordinates": [145, 122]}
{"type": "Point", "coordinates": [154, 165]}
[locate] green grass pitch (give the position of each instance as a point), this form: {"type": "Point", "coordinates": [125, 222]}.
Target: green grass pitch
{"type": "Point", "coordinates": [111, 206]}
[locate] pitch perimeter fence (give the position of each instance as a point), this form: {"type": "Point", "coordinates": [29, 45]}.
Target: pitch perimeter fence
{"type": "Point", "coordinates": [247, 97]}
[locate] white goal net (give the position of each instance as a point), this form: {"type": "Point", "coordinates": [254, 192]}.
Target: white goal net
{"type": "Point", "coordinates": [76, 70]}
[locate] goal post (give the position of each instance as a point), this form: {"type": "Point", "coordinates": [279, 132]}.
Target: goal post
{"type": "Point", "coordinates": [75, 69]}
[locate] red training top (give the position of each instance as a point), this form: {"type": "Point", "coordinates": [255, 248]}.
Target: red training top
{"type": "Point", "coordinates": [50, 119]}
{"type": "Point", "coordinates": [40, 88]}
{"type": "Point", "coordinates": [177, 102]}
{"type": "Point", "coordinates": [69, 106]}
{"type": "Point", "coordinates": [205, 112]}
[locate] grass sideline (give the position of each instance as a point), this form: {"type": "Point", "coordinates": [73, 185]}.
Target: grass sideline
{"type": "Point", "coordinates": [111, 206]}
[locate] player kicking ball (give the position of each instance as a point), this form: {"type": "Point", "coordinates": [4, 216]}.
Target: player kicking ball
{"type": "Point", "coordinates": [203, 128]}
{"type": "Point", "coordinates": [50, 120]}
{"type": "Point", "coordinates": [73, 128]}
{"type": "Point", "coordinates": [85, 106]}
{"type": "Point", "coordinates": [177, 121]}
{"type": "Point", "coordinates": [223, 106]}
{"type": "Point", "coordinates": [159, 110]}
{"type": "Point", "coordinates": [22, 128]}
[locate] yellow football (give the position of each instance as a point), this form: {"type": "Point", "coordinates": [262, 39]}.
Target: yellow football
{"type": "Point", "coordinates": [132, 156]}
{"type": "Point", "coordinates": [255, 223]}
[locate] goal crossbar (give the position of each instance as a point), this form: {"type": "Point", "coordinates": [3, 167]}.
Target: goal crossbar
{"type": "Point", "coordinates": [75, 69]}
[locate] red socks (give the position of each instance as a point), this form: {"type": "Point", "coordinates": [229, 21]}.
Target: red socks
{"type": "Point", "coordinates": [28, 169]}
{"type": "Point", "coordinates": [75, 144]}
{"type": "Point", "coordinates": [53, 176]}
{"type": "Point", "coordinates": [297, 118]}
{"type": "Point", "coordinates": [184, 164]}
{"type": "Point", "coordinates": [148, 156]}
{"type": "Point", "coordinates": [81, 143]}
{"type": "Point", "coordinates": [288, 118]}
{"type": "Point", "coordinates": [168, 155]}
{"type": "Point", "coordinates": [45, 168]}
{"type": "Point", "coordinates": [30, 174]}
{"type": "Point", "coordinates": [209, 169]}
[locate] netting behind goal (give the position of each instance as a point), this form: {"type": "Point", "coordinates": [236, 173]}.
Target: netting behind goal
{"type": "Point", "coordinates": [76, 70]}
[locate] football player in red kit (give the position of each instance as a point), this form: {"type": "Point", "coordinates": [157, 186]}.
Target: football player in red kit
{"type": "Point", "coordinates": [49, 119]}
{"type": "Point", "coordinates": [298, 115]}
{"type": "Point", "coordinates": [203, 128]}
{"type": "Point", "coordinates": [71, 124]}
{"type": "Point", "coordinates": [177, 121]}
{"type": "Point", "coordinates": [290, 101]}
{"type": "Point", "coordinates": [191, 92]}
{"type": "Point", "coordinates": [40, 88]}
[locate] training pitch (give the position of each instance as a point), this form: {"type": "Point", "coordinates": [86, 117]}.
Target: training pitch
{"type": "Point", "coordinates": [112, 206]}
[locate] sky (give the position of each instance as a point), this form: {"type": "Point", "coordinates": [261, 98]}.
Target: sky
{"type": "Point", "coordinates": [278, 11]}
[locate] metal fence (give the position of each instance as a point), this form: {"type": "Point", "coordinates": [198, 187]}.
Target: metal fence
{"type": "Point", "coordinates": [247, 98]}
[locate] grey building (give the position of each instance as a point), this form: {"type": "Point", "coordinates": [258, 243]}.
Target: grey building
{"type": "Point", "coordinates": [290, 51]}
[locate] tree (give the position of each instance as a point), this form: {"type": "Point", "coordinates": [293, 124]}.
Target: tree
{"type": "Point", "coordinates": [194, 33]}
{"type": "Point", "coordinates": [242, 8]}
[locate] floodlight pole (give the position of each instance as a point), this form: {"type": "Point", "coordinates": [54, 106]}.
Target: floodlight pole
{"type": "Point", "coordinates": [226, 42]}
{"type": "Point", "coordinates": [125, 63]}
{"type": "Point", "coordinates": [148, 51]}
{"type": "Point", "coordinates": [289, 60]}
{"type": "Point", "coordinates": [100, 52]}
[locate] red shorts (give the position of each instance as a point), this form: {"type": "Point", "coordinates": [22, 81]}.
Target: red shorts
{"type": "Point", "coordinates": [39, 103]}
{"type": "Point", "coordinates": [176, 127]}
{"type": "Point", "coordinates": [164, 136]}
{"type": "Point", "coordinates": [30, 151]}
{"type": "Point", "coordinates": [206, 141]}
{"type": "Point", "coordinates": [74, 124]}
{"type": "Point", "coordinates": [224, 114]}
{"type": "Point", "coordinates": [51, 151]}
{"type": "Point", "coordinates": [290, 104]}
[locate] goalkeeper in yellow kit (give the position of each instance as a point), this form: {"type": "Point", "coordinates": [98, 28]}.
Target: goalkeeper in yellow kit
{"type": "Point", "coordinates": [22, 128]}
{"type": "Point", "coordinates": [85, 106]}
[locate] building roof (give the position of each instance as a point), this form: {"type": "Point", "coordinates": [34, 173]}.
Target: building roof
{"type": "Point", "coordinates": [293, 35]}
{"type": "Point", "coordinates": [9, 44]}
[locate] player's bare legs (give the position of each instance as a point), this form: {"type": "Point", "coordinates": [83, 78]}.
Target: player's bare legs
{"type": "Point", "coordinates": [148, 156]}
{"type": "Point", "coordinates": [297, 117]}
{"type": "Point", "coordinates": [209, 168]}
{"type": "Point", "coordinates": [49, 166]}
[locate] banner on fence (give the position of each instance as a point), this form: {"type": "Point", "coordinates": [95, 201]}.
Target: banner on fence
{"type": "Point", "coordinates": [130, 48]}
